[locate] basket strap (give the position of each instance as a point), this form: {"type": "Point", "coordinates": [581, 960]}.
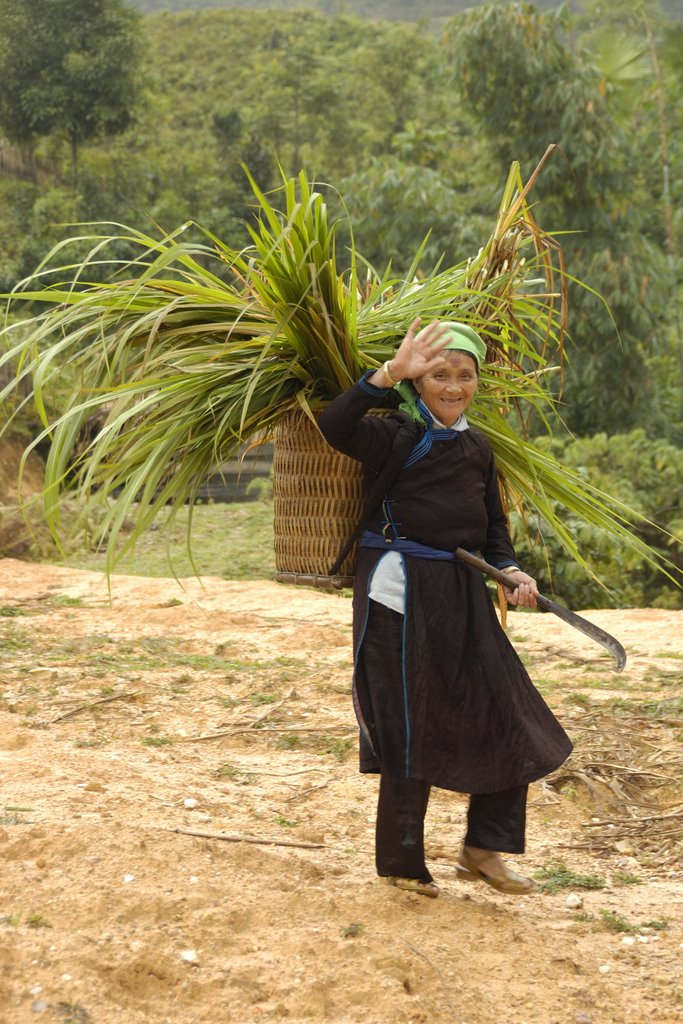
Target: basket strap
{"type": "Point", "coordinates": [406, 438]}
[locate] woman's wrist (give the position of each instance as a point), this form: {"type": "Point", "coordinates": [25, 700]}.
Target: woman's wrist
{"type": "Point", "coordinates": [390, 374]}
{"type": "Point", "coordinates": [384, 377]}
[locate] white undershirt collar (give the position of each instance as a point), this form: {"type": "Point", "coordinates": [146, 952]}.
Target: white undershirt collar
{"type": "Point", "coordinates": [460, 424]}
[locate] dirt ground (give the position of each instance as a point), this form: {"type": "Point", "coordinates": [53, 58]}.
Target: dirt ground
{"type": "Point", "coordinates": [223, 708]}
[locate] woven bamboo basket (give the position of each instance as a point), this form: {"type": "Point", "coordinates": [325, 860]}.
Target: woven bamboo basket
{"type": "Point", "coordinates": [317, 502]}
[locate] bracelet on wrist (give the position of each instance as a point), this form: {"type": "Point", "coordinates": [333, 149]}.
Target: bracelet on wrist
{"type": "Point", "coordinates": [511, 568]}
{"type": "Point", "coordinates": [387, 374]}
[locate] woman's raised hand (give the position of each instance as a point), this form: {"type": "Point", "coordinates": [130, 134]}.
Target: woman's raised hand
{"type": "Point", "coordinates": [420, 351]}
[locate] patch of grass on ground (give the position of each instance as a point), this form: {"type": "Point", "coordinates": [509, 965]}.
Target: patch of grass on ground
{"type": "Point", "coordinates": [621, 878]}
{"type": "Point", "coordinates": [285, 822]}
{"type": "Point", "coordinates": [545, 685]}
{"type": "Point", "coordinates": [339, 748]}
{"type": "Point", "coordinates": [145, 655]}
{"type": "Point", "coordinates": [662, 677]}
{"type": "Point", "coordinates": [556, 875]}
{"type": "Point", "coordinates": [668, 707]}
{"type": "Point", "coordinates": [98, 740]}
{"type": "Point", "coordinates": [156, 741]}
{"type": "Point", "coordinates": [234, 541]}
{"type": "Point", "coordinates": [613, 922]}
{"type": "Point", "coordinates": [578, 698]}
{"type": "Point", "coordinates": [12, 639]}
{"type": "Point", "coordinates": [263, 698]}
{"type": "Point", "coordinates": [37, 921]}
{"type": "Point", "coordinates": [599, 683]}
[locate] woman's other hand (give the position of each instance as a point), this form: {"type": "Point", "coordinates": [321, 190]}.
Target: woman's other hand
{"type": "Point", "coordinates": [418, 353]}
{"type": "Point", "coordinates": [525, 594]}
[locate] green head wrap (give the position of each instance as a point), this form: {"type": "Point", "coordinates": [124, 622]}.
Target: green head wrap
{"type": "Point", "coordinates": [466, 339]}
{"type": "Point", "coordinates": [460, 337]}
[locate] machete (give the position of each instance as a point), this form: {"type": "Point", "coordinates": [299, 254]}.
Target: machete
{"type": "Point", "coordinates": [594, 632]}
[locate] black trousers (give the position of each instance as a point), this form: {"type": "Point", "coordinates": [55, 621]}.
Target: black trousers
{"type": "Point", "coordinates": [495, 821]}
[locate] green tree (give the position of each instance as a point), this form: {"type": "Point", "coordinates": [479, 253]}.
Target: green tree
{"type": "Point", "coordinates": [395, 200]}
{"type": "Point", "coordinates": [642, 472]}
{"type": "Point", "coordinates": [68, 67]}
{"type": "Point", "coordinates": [530, 83]}
{"type": "Point", "coordinates": [632, 44]}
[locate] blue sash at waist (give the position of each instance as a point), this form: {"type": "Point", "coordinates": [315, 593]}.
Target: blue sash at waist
{"type": "Point", "coordinates": [407, 547]}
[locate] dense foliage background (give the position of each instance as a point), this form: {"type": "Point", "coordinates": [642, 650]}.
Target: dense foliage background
{"type": "Point", "coordinates": [391, 10]}
{"type": "Point", "coordinates": [413, 125]}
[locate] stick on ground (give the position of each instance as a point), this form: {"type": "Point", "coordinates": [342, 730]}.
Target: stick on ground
{"type": "Point", "coordinates": [228, 838]}
{"type": "Point", "coordinates": [94, 704]}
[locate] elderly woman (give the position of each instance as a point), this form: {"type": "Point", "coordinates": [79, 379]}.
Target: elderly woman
{"type": "Point", "coordinates": [441, 697]}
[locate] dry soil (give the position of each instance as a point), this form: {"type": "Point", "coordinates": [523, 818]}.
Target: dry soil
{"type": "Point", "coordinates": [130, 720]}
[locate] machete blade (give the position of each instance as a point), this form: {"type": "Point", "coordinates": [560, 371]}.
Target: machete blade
{"type": "Point", "coordinates": [610, 643]}
{"type": "Point", "coordinates": [583, 625]}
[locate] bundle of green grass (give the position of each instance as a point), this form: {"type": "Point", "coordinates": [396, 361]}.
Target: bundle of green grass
{"type": "Point", "coordinates": [189, 348]}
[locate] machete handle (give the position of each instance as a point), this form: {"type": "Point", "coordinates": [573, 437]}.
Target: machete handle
{"type": "Point", "coordinates": [501, 577]}
{"type": "Point", "coordinates": [496, 574]}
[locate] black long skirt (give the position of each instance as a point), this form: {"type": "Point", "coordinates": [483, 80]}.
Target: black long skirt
{"type": "Point", "coordinates": [443, 696]}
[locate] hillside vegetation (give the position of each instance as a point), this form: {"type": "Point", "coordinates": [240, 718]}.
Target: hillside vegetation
{"type": "Point", "coordinates": [410, 130]}
{"type": "Point", "coordinates": [389, 10]}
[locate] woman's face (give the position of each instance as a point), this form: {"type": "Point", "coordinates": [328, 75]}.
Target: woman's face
{"type": "Point", "coordinates": [448, 390]}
